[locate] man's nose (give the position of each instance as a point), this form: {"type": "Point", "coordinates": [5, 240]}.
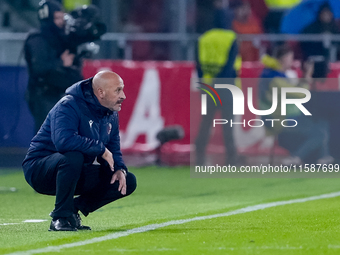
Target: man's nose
{"type": "Point", "coordinates": [122, 96]}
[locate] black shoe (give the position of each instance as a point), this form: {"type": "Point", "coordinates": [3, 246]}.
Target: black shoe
{"type": "Point", "coordinates": [61, 224]}
{"type": "Point", "coordinates": [75, 221]}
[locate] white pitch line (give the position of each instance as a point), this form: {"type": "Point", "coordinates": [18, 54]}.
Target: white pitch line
{"type": "Point", "coordinates": [33, 221]}
{"type": "Point", "coordinates": [173, 222]}
{"type": "Point", "coordinates": [25, 221]}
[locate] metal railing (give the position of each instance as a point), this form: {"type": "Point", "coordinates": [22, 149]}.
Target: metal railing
{"type": "Point", "coordinates": [188, 41]}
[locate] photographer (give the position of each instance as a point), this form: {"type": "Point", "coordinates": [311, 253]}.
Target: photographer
{"type": "Point", "coordinates": [51, 66]}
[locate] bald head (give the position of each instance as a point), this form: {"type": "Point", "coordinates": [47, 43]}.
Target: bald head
{"type": "Point", "coordinates": [108, 88]}
{"type": "Point", "coordinates": [105, 79]}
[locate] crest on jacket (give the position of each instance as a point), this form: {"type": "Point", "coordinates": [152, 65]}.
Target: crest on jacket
{"type": "Point", "coordinates": [109, 128]}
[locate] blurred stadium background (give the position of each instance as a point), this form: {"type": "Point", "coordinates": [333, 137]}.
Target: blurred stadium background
{"type": "Point", "coordinates": [151, 44]}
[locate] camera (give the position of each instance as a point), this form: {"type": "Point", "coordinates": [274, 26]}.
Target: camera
{"type": "Point", "coordinates": [83, 25]}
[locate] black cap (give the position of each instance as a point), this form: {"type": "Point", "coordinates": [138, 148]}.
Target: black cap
{"type": "Point", "coordinates": [47, 8]}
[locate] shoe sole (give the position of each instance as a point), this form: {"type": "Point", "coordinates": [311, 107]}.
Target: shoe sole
{"type": "Point", "coordinates": [84, 229]}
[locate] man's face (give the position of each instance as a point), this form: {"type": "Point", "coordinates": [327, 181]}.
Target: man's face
{"type": "Point", "coordinates": [242, 13]}
{"type": "Point", "coordinates": [326, 16]}
{"type": "Point", "coordinates": [287, 61]}
{"type": "Point", "coordinates": [114, 96]}
{"type": "Point", "coordinates": [58, 18]}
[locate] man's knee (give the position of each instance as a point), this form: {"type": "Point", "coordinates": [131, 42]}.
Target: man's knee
{"type": "Point", "coordinates": [131, 183]}
{"type": "Point", "coordinates": [74, 159]}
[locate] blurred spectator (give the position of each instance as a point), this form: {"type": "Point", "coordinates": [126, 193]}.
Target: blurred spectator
{"type": "Point", "coordinates": [259, 8]}
{"type": "Point", "coordinates": [310, 135]}
{"type": "Point", "coordinates": [323, 24]}
{"type": "Point", "coordinates": [277, 8]}
{"type": "Point", "coordinates": [217, 52]}
{"type": "Point", "coordinates": [245, 22]}
{"type": "Point", "coordinates": [204, 16]}
{"type": "Point", "coordinates": [50, 64]}
{"type": "Point", "coordinates": [222, 17]}
{"type": "Point", "coordinates": [130, 26]}
{"type": "Point", "coordinates": [146, 16]}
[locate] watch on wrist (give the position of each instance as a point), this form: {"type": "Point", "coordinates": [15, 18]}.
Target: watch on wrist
{"type": "Point", "coordinates": [123, 170]}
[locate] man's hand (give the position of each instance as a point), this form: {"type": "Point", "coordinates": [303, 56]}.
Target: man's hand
{"type": "Point", "coordinates": [109, 159]}
{"type": "Point", "coordinates": [120, 176]}
{"type": "Point", "coordinates": [67, 58]}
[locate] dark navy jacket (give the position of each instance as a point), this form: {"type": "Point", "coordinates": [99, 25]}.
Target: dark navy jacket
{"type": "Point", "coordinates": [78, 122]}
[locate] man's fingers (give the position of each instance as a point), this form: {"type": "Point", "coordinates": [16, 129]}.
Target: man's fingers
{"type": "Point", "coordinates": [123, 186]}
{"type": "Point", "coordinates": [114, 178]}
{"type": "Point", "coordinates": [122, 182]}
{"type": "Point", "coordinates": [107, 155]}
{"type": "Point", "coordinates": [120, 186]}
{"type": "Point", "coordinates": [111, 165]}
{"type": "Point", "coordinates": [124, 190]}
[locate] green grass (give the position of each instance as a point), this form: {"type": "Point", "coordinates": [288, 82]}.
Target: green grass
{"type": "Point", "coordinates": [165, 194]}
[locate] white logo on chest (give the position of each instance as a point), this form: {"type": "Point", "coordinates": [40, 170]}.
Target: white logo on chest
{"type": "Point", "coordinates": [109, 128]}
{"type": "Point", "coordinates": [91, 122]}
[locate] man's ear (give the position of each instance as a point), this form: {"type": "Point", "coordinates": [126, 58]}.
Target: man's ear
{"type": "Point", "coordinates": [101, 93]}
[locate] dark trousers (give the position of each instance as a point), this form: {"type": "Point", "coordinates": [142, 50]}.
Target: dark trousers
{"type": "Point", "coordinates": [203, 136]}
{"type": "Point", "coordinates": [65, 175]}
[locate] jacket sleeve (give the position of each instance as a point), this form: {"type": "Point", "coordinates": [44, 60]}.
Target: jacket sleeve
{"type": "Point", "coordinates": [38, 57]}
{"type": "Point", "coordinates": [198, 64]}
{"type": "Point", "coordinates": [64, 132]}
{"type": "Point", "coordinates": [114, 147]}
{"type": "Point", "coordinates": [43, 64]}
{"type": "Point", "coordinates": [228, 70]}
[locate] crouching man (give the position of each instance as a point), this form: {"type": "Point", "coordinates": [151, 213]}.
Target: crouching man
{"type": "Point", "coordinates": [77, 152]}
